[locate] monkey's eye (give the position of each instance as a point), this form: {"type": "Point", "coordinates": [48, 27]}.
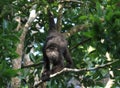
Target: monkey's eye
{"type": "Point", "coordinates": [55, 48]}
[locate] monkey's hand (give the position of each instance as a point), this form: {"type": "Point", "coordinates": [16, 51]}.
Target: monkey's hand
{"type": "Point", "coordinates": [69, 66]}
{"type": "Point", "coordinates": [45, 76]}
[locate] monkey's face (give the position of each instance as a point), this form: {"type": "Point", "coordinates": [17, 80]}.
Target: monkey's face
{"type": "Point", "coordinates": [52, 53]}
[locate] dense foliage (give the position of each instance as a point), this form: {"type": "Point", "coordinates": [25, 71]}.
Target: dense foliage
{"type": "Point", "coordinates": [101, 47]}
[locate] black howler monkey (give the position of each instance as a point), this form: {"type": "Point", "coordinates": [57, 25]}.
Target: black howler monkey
{"type": "Point", "coordinates": [55, 50]}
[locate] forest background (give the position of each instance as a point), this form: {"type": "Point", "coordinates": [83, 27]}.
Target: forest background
{"type": "Point", "coordinates": [92, 28]}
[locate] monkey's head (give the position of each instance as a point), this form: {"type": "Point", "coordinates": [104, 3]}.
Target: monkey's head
{"type": "Point", "coordinates": [52, 53]}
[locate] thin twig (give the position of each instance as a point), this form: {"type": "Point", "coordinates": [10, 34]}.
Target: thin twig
{"type": "Point", "coordinates": [59, 18]}
{"type": "Point", "coordinates": [33, 65]}
{"type": "Point", "coordinates": [76, 1]}
{"type": "Point", "coordinates": [80, 43]}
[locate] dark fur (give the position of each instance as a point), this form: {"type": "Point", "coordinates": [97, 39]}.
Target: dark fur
{"type": "Point", "coordinates": [54, 52]}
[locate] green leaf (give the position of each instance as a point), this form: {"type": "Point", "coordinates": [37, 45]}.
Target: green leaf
{"type": "Point", "coordinates": [8, 73]}
{"type": "Point", "coordinates": [5, 24]}
{"type": "Point", "coordinates": [32, 57]}
{"type": "Point", "coordinates": [89, 34]}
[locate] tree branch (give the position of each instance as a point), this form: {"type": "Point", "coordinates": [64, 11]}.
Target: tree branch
{"type": "Point", "coordinates": [33, 65]}
{"type": "Point", "coordinates": [76, 70]}
{"type": "Point", "coordinates": [20, 48]}
{"type": "Point", "coordinates": [59, 18]}
{"type": "Point", "coordinates": [76, 29]}
{"type": "Point", "coordinates": [18, 19]}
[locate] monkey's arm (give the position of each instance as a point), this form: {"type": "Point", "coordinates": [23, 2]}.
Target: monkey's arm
{"type": "Point", "coordinates": [68, 58]}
